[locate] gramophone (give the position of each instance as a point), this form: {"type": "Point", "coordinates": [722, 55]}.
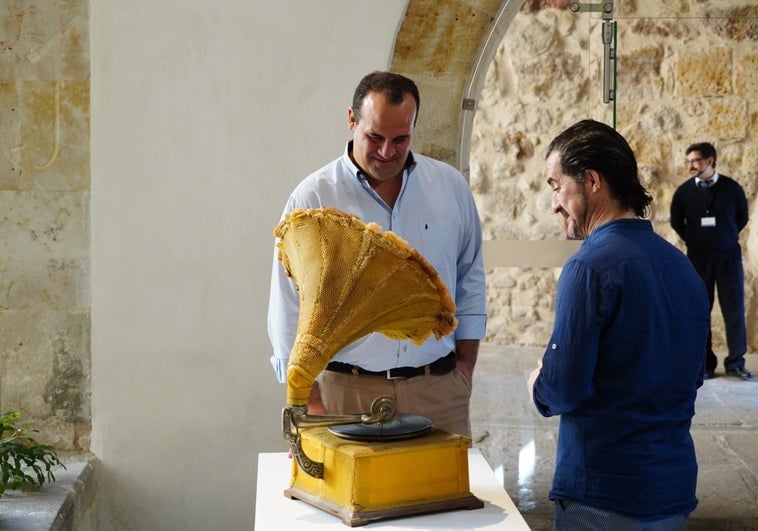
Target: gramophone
{"type": "Point", "coordinates": [353, 279]}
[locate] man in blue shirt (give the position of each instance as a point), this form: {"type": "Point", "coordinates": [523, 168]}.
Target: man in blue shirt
{"type": "Point", "coordinates": [427, 203]}
{"type": "Point", "coordinates": [625, 358]}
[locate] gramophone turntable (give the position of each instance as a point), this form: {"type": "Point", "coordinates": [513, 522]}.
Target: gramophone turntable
{"type": "Point", "coordinates": [354, 280]}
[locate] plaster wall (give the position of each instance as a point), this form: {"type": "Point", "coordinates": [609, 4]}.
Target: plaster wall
{"type": "Point", "coordinates": [204, 116]}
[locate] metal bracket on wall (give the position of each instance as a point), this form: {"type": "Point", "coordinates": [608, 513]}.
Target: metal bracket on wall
{"type": "Point", "coordinates": [469, 104]}
{"type": "Point", "coordinates": [609, 57]}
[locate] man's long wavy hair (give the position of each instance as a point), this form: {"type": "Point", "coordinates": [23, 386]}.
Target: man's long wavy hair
{"type": "Point", "coordinates": [592, 145]}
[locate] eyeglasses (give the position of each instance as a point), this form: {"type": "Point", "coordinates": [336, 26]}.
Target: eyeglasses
{"type": "Point", "coordinates": [690, 162]}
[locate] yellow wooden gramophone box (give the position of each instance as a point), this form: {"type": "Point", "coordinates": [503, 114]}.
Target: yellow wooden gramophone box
{"type": "Point", "coordinates": [366, 481]}
{"type": "Point", "coordinates": [354, 280]}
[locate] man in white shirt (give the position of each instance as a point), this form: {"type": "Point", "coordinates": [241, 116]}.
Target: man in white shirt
{"type": "Point", "coordinates": [429, 204]}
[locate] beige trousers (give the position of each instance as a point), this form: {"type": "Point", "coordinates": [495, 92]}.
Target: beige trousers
{"type": "Point", "coordinates": [444, 398]}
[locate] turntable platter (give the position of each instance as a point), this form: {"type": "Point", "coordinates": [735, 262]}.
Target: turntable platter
{"type": "Point", "coordinates": [403, 426]}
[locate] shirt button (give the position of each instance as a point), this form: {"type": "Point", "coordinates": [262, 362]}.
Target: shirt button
{"type": "Point", "coordinates": [553, 346]}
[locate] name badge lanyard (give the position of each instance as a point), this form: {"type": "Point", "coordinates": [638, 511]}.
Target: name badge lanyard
{"type": "Point", "coordinates": [708, 220]}
{"type": "Point", "coordinates": [704, 196]}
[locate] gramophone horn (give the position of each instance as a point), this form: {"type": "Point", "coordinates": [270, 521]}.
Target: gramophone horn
{"type": "Point", "coordinates": [353, 280]}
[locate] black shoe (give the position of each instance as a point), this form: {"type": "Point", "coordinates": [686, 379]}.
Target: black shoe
{"type": "Point", "coordinates": [740, 373]}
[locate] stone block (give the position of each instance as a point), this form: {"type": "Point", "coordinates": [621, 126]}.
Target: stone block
{"type": "Point", "coordinates": [706, 73]}
{"type": "Point", "coordinates": [746, 84]}
{"type": "Point", "coordinates": [639, 73]}
{"type": "Point", "coordinates": [727, 117]}
{"type": "Point", "coordinates": [44, 41]}
{"type": "Point", "coordinates": [54, 125]}
{"type": "Point", "coordinates": [45, 373]}
{"type": "Point", "coordinates": [44, 260]}
{"type": "Point", "coordinates": [10, 137]}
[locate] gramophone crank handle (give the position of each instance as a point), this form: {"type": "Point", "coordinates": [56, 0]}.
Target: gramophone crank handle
{"type": "Point", "coordinates": [383, 409]}
{"type": "Point", "coordinates": [301, 419]}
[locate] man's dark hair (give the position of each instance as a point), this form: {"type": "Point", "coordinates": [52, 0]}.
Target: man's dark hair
{"type": "Point", "coordinates": [392, 86]}
{"type": "Point", "coordinates": [705, 149]}
{"type": "Point", "coordinates": [591, 145]}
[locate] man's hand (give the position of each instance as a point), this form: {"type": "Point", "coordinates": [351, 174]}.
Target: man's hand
{"type": "Point", "coordinates": [315, 405]}
{"type": "Point", "coordinates": [532, 378]}
{"type": "Point", "coordinates": [466, 352]}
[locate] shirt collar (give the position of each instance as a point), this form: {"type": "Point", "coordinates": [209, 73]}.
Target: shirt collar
{"type": "Point", "coordinates": [619, 224]}
{"type": "Point", "coordinates": [410, 162]}
{"type": "Point", "coordinates": [713, 180]}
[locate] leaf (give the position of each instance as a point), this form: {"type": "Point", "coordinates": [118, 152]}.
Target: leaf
{"type": "Point", "coordinates": [23, 461]}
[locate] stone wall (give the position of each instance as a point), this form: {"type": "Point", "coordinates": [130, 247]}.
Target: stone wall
{"type": "Point", "coordinates": [44, 218]}
{"type": "Point", "coordinates": [687, 71]}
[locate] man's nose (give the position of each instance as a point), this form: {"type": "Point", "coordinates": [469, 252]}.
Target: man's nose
{"type": "Point", "coordinates": [554, 203]}
{"type": "Point", "coordinates": [387, 150]}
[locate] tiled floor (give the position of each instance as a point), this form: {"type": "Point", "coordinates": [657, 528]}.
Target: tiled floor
{"type": "Point", "coordinates": [519, 444]}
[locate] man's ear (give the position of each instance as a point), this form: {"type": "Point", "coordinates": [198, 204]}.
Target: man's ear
{"type": "Point", "coordinates": [594, 179]}
{"type": "Point", "coordinates": [351, 121]}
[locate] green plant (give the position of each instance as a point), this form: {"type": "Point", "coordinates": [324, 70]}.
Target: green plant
{"type": "Point", "coordinates": [23, 461]}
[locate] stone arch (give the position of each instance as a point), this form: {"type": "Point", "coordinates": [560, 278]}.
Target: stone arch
{"type": "Point", "coordinates": [447, 47]}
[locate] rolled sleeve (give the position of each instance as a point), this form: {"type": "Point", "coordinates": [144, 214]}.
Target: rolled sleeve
{"type": "Point", "coordinates": [471, 327]}
{"type": "Point", "coordinates": [280, 368]}
{"type": "Point", "coordinates": [283, 311]}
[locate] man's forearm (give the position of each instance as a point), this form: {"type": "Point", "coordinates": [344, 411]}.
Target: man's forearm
{"type": "Point", "coordinates": [466, 351]}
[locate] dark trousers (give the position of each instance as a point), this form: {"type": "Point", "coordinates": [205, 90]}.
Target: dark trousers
{"type": "Point", "coordinates": [724, 274]}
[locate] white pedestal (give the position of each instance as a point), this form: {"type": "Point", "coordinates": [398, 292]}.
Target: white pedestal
{"type": "Point", "coordinates": [274, 511]}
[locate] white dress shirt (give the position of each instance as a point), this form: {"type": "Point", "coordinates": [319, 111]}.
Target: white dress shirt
{"type": "Point", "coordinates": [436, 214]}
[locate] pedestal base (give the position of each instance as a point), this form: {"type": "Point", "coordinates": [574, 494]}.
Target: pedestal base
{"type": "Point", "coordinates": [365, 481]}
{"type": "Point", "coordinates": [356, 517]}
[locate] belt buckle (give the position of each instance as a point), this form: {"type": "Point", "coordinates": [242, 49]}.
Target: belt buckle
{"type": "Point", "coordinates": [390, 377]}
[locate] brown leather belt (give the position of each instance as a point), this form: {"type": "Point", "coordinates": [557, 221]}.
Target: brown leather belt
{"type": "Point", "coordinates": [440, 366]}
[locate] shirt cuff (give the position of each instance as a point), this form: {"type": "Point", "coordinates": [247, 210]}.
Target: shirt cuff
{"type": "Point", "coordinates": [280, 368]}
{"type": "Point", "coordinates": [471, 327]}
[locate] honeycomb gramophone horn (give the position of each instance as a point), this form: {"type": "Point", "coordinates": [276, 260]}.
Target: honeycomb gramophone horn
{"type": "Point", "coordinates": [353, 280]}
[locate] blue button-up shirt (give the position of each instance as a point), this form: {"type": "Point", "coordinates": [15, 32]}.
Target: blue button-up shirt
{"type": "Point", "coordinates": [436, 214]}
{"type": "Point", "coordinates": [622, 369]}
